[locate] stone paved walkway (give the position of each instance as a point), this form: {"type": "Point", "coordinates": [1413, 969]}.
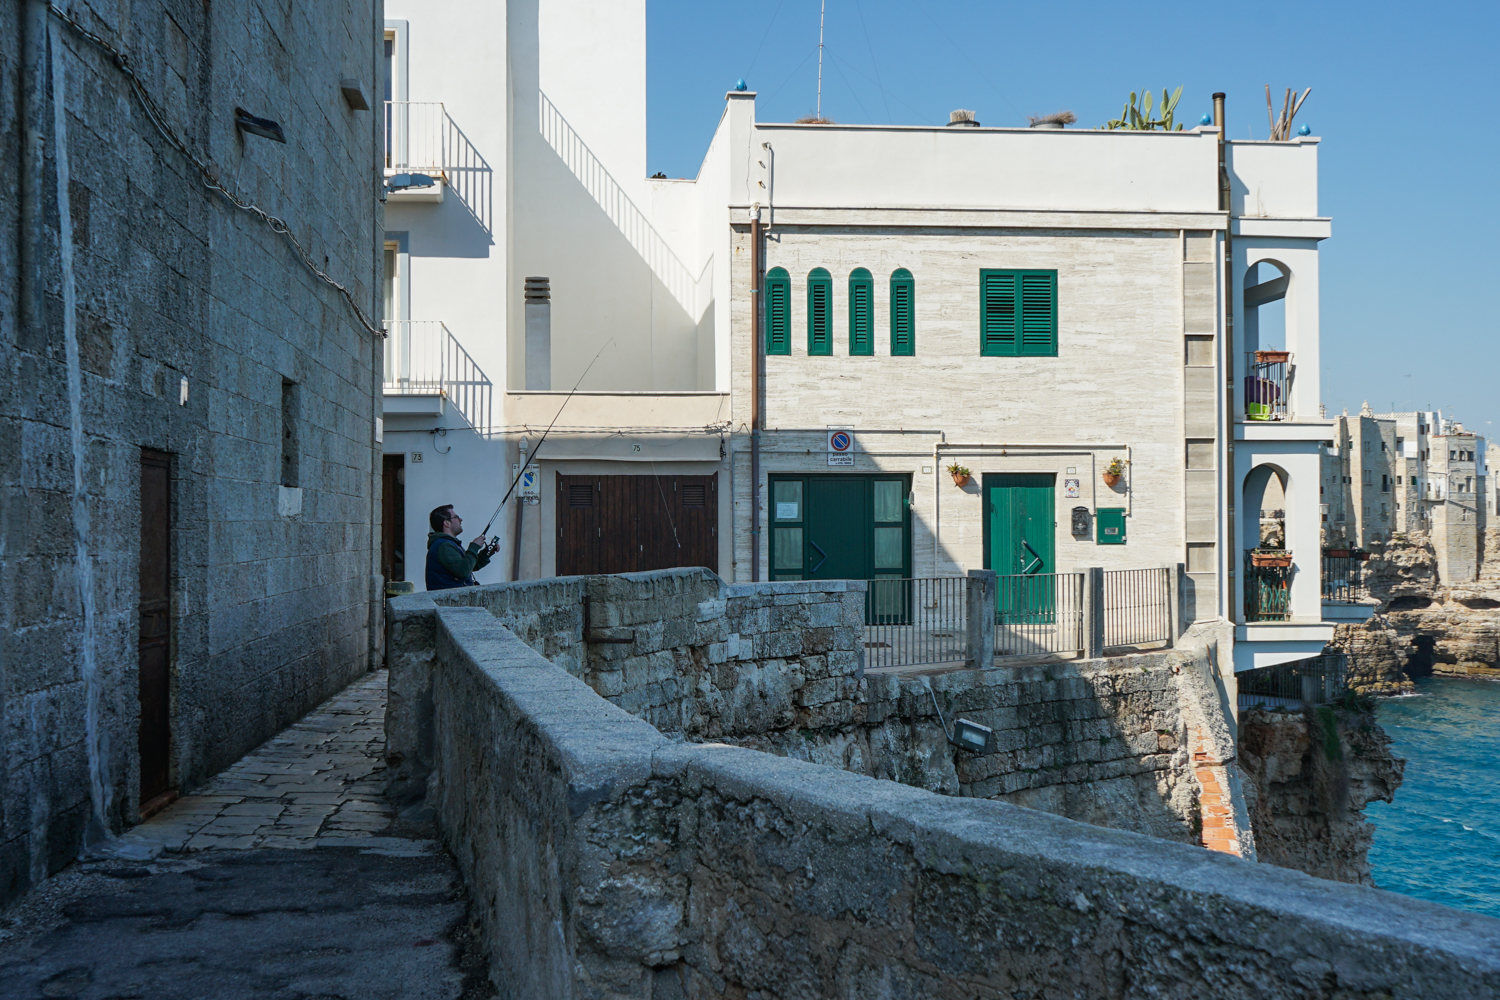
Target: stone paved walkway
{"type": "Point", "coordinates": [288, 877]}
{"type": "Point", "coordinates": [318, 783]}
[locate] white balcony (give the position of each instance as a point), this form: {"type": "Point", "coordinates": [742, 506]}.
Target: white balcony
{"type": "Point", "coordinates": [417, 151]}
{"type": "Point", "coordinates": [426, 369]}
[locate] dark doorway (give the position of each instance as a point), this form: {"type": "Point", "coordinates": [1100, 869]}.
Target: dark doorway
{"type": "Point", "coordinates": [393, 518]}
{"type": "Point", "coordinates": [155, 645]}
{"type": "Point", "coordinates": [627, 524]}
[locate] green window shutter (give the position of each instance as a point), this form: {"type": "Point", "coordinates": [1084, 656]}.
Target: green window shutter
{"type": "Point", "coordinates": [1018, 313]}
{"type": "Point", "coordinates": [861, 312]}
{"type": "Point", "coordinates": [903, 313]}
{"type": "Point", "coordinates": [997, 313]}
{"type": "Point", "coordinates": [1039, 313]}
{"type": "Point", "coordinates": [778, 311]}
{"type": "Point", "coordinates": [819, 312]}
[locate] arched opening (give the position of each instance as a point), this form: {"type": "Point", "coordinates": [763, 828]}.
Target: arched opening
{"type": "Point", "coordinates": [1268, 358]}
{"type": "Point", "coordinates": [1267, 564]}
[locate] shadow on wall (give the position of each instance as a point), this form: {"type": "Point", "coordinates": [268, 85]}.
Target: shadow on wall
{"type": "Point", "coordinates": [687, 290]}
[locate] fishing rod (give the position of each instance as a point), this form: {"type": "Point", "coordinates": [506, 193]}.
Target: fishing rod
{"type": "Point", "coordinates": [522, 472]}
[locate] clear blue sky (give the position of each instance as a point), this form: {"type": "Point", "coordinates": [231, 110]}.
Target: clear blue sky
{"type": "Point", "coordinates": [1402, 99]}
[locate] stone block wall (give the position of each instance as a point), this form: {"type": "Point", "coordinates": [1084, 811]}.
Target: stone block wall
{"type": "Point", "coordinates": [607, 861]}
{"type": "Point", "coordinates": [144, 281]}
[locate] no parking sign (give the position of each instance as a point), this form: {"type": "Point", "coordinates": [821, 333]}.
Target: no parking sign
{"type": "Point", "coordinates": [840, 446]}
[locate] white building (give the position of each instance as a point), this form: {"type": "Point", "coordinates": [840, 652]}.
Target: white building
{"type": "Point", "coordinates": [1030, 304]}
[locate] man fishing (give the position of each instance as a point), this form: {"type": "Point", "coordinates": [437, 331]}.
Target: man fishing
{"type": "Point", "coordinates": [448, 563]}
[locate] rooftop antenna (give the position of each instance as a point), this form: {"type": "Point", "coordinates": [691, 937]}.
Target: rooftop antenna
{"type": "Point", "coordinates": [822, 9]}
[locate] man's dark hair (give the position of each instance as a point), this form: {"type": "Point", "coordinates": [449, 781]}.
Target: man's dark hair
{"type": "Point", "coordinates": [439, 515]}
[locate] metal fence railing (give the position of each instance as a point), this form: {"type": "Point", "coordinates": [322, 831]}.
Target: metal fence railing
{"type": "Point", "coordinates": [1268, 587]}
{"type": "Point", "coordinates": [1040, 613]}
{"type": "Point", "coordinates": [915, 621]}
{"type": "Point", "coordinates": [416, 137]}
{"type": "Point", "coordinates": [1136, 606]}
{"type": "Point", "coordinates": [1343, 576]}
{"type": "Point", "coordinates": [1320, 680]}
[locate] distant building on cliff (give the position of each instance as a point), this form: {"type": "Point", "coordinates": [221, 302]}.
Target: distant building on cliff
{"type": "Point", "coordinates": [1406, 473]}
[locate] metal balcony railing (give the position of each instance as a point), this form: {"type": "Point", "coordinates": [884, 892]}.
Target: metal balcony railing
{"type": "Point", "coordinates": [1136, 606]}
{"type": "Point", "coordinates": [1040, 613]}
{"type": "Point", "coordinates": [423, 359]}
{"type": "Point", "coordinates": [1267, 384]}
{"type": "Point", "coordinates": [1321, 680]}
{"type": "Point", "coordinates": [1268, 588]}
{"type": "Point", "coordinates": [1343, 576]}
{"type": "Point", "coordinates": [914, 621]}
{"type": "Point", "coordinates": [417, 138]}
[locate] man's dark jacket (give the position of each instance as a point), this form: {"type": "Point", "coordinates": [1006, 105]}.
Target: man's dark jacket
{"type": "Point", "coordinates": [449, 564]}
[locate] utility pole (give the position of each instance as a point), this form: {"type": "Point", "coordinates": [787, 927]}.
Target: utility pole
{"type": "Point", "coordinates": [822, 9]}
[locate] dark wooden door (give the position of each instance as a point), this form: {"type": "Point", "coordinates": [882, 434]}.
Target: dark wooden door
{"type": "Point", "coordinates": [627, 524]}
{"type": "Point", "coordinates": [393, 518]}
{"type": "Point", "coordinates": [155, 738]}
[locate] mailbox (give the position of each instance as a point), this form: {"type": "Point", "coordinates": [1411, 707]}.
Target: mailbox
{"type": "Point", "coordinates": [1080, 520]}
{"type": "Point", "coordinates": [1111, 522]}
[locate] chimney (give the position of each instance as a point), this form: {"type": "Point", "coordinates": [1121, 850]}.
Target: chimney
{"type": "Point", "coordinates": [962, 119]}
{"type": "Point", "coordinates": [538, 333]}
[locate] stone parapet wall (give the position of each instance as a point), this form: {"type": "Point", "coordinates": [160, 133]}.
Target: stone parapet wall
{"type": "Point", "coordinates": [608, 861]}
{"type": "Point", "coordinates": [677, 648]}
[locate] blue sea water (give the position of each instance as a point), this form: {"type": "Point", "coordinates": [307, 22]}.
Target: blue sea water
{"type": "Point", "coordinates": [1440, 839]}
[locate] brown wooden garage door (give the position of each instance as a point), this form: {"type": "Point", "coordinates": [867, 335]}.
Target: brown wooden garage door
{"type": "Point", "coordinates": [626, 524]}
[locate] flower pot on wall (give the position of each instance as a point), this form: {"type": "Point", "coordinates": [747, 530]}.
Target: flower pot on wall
{"type": "Point", "coordinates": [1273, 558]}
{"type": "Point", "coordinates": [1111, 478]}
{"type": "Point", "coordinates": [960, 479]}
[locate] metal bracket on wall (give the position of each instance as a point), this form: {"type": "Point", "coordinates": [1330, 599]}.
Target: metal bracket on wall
{"type": "Point", "coordinates": [588, 628]}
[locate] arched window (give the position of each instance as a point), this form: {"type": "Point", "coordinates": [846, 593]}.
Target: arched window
{"type": "Point", "coordinates": [778, 311]}
{"type": "Point", "coordinates": [861, 312]}
{"type": "Point", "coordinates": [903, 313]}
{"type": "Point", "coordinates": [819, 312]}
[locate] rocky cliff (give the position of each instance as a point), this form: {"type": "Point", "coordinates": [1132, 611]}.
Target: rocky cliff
{"type": "Point", "coordinates": [1307, 779]}
{"type": "Point", "coordinates": [1424, 626]}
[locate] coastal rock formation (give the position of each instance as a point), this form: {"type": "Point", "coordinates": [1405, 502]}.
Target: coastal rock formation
{"type": "Point", "coordinates": [1307, 779]}
{"type": "Point", "coordinates": [1378, 653]}
{"type": "Point", "coordinates": [1424, 627]}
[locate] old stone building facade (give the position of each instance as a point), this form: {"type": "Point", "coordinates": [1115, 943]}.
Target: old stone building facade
{"type": "Point", "coordinates": [188, 466]}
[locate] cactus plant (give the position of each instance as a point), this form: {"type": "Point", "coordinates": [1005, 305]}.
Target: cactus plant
{"type": "Point", "coordinates": [1140, 120]}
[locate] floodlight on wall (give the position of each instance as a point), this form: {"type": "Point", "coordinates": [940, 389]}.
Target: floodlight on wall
{"type": "Point", "coordinates": [354, 94]}
{"type": "Point", "coordinates": [966, 735]}
{"type": "Point", "coordinates": [406, 182]}
{"type": "Point", "coordinates": [263, 127]}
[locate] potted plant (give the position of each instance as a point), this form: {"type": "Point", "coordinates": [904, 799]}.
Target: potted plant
{"type": "Point", "coordinates": [1361, 555]}
{"type": "Point", "coordinates": [1336, 553]}
{"type": "Point", "coordinates": [960, 474]}
{"type": "Point", "coordinates": [1271, 557]}
{"type": "Point", "coordinates": [1058, 119]}
{"type": "Point", "coordinates": [1113, 472]}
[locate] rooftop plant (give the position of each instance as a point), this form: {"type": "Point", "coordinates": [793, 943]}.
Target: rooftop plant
{"type": "Point", "coordinates": [1057, 117]}
{"type": "Point", "coordinates": [1139, 118]}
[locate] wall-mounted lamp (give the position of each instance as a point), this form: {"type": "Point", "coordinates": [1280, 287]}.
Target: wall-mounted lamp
{"type": "Point", "coordinates": [966, 735]}
{"type": "Point", "coordinates": [263, 127]}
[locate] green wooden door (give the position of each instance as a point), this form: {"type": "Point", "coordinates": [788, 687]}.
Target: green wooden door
{"type": "Point", "coordinates": [1019, 542]}
{"type": "Point", "coordinates": [838, 528]}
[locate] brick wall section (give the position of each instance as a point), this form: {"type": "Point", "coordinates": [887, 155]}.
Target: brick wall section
{"type": "Point", "coordinates": [270, 614]}
{"type": "Point", "coordinates": [610, 862]}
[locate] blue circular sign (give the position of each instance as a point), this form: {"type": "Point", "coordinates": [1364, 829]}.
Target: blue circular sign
{"type": "Point", "coordinates": [839, 442]}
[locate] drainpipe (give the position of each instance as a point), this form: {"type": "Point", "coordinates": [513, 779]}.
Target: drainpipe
{"type": "Point", "coordinates": [1231, 536]}
{"type": "Point", "coordinates": [755, 335]}
{"type": "Point", "coordinates": [34, 112]}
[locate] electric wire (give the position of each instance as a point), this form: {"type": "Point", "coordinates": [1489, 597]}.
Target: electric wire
{"type": "Point", "coordinates": [793, 73]}
{"type": "Point", "coordinates": [858, 9]}
{"type": "Point", "coordinates": [839, 69]}
{"type": "Point", "coordinates": [985, 76]}
{"type": "Point", "coordinates": [209, 175]}
{"type": "Point", "coordinates": [769, 24]}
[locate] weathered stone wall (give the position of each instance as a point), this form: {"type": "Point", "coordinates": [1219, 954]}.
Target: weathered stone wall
{"type": "Point", "coordinates": [778, 667]}
{"type": "Point", "coordinates": [678, 648]}
{"type": "Point", "coordinates": [1308, 777]}
{"type": "Point", "coordinates": [274, 607]}
{"type": "Point", "coordinates": [609, 861]}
